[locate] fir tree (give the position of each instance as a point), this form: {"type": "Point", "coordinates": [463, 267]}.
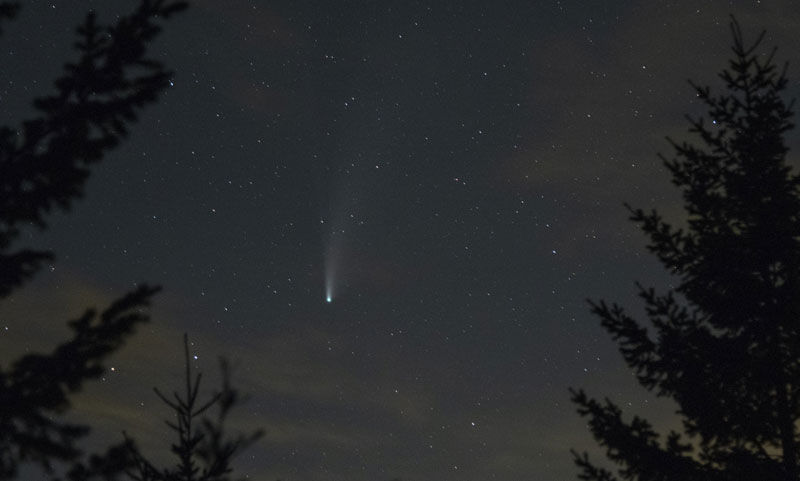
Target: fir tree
{"type": "Point", "coordinates": [44, 164]}
{"type": "Point", "coordinates": [726, 345]}
{"type": "Point", "coordinates": [203, 449]}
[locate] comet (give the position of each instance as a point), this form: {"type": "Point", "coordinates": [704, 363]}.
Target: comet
{"type": "Point", "coordinates": [332, 259]}
{"type": "Point", "coordinates": [330, 275]}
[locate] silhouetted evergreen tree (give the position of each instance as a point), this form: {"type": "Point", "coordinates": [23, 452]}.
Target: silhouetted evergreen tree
{"type": "Point", "coordinates": [203, 449]}
{"type": "Point", "coordinates": [726, 346]}
{"type": "Point", "coordinates": [44, 163]}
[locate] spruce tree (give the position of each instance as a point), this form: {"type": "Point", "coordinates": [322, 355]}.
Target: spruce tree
{"type": "Point", "coordinates": [724, 342]}
{"type": "Point", "coordinates": [204, 449]}
{"type": "Point", "coordinates": [45, 162]}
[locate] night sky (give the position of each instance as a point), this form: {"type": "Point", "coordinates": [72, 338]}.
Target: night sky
{"type": "Point", "coordinates": [450, 173]}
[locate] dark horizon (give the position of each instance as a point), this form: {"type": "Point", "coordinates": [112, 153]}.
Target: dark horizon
{"type": "Point", "coordinates": [389, 217]}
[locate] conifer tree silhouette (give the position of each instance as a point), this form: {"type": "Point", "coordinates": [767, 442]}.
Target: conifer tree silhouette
{"type": "Point", "coordinates": [203, 449]}
{"type": "Point", "coordinates": [726, 346]}
{"type": "Point", "coordinates": [44, 164]}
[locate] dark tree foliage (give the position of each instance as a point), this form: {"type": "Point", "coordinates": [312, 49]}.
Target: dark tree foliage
{"type": "Point", "coordinates": [203, 449]}
{"type": "Point", "coordinates": [726, 346]}
{"type": "Point", "coordinates": [44, 163]}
